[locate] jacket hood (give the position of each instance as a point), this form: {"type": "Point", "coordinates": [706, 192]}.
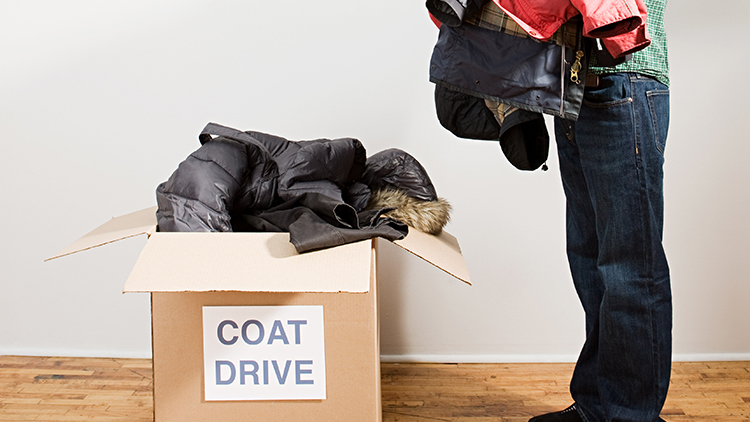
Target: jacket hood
{"type": "Point", "coordinates": [426, 216]}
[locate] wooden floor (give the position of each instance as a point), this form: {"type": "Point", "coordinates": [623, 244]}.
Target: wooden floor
{"type": "Point", "coordinates": [77, 389]}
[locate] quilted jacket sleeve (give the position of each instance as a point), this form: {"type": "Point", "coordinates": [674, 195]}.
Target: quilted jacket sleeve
{"type": "Point", "coordinates": [323, 166]}
{"type": "Point", "coordinates": [199, 195]}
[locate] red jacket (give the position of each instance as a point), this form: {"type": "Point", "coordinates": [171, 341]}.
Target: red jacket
{"type": "Point", "coordinates": [621, 24]}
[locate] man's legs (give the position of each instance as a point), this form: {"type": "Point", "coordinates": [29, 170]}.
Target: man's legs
{"type": "Point", "coordinates": [611, 164]}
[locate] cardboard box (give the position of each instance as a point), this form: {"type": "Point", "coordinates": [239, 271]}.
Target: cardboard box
{"type": "Point", "coordinates": [244, 328]}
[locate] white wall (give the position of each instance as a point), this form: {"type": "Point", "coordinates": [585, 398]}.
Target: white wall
{"type": "Point", "coordinates": [100, 101]}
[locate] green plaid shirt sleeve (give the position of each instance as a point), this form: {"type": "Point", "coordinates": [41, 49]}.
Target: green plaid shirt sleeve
{"type": "Point", "coordinates": [652, 60]}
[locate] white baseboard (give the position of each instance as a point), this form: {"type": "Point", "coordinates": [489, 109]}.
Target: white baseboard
{"type": "Point", "coordinates": [680, 357]}
{"type": "Point", "coordinates": [477, 358]}
{"type": "Point", "coordinates": [416, 358]}
{"type": "Point", "coordinates": [70, 353]}
{"type": "Point", "coordinates": [710, 357]}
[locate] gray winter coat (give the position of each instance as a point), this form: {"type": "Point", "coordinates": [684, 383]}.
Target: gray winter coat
{"type": "Point", "coordinates": [317, 190]}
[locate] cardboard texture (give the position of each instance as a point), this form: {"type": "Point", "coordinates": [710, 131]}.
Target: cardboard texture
{"type": "Point", "coordinates": [352, 359]}
{"type": "Point", "coordinates": [123, 227]}
{"type": "Point", "coordinates": [185, 272]}
{"type": "Point", "coordinates": [198, 262]}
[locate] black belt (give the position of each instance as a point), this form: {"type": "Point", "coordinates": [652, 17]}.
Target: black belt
{"type": "Point", "coordinates": [592, 81]}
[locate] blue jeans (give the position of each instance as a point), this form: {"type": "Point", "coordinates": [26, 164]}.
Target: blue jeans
{"type": "Point", "coordinates": [611, 162]}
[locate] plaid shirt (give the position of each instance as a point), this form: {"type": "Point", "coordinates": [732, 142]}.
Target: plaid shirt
{"type": "Point", "coordinates": [493, 18]}
{"type": "Point", "coordinates": [652, 60]}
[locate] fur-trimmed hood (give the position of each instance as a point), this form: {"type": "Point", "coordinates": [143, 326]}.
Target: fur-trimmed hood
{"type": "Point", "coordinates": [427, 216]}
{"type": "Point", "coordinates": [399, 181]}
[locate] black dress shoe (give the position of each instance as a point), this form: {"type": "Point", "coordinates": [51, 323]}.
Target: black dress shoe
{"type": "Point", "coordinates": [568, 415]}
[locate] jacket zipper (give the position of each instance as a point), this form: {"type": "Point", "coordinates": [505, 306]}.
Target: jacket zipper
{"type": "Point", "coordinates": [574, 69]}
{"type": "Point", "coordinates": [562, 80]}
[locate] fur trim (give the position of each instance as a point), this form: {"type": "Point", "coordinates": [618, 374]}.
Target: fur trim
{"type": "Point", "coordinates": [427, 216]}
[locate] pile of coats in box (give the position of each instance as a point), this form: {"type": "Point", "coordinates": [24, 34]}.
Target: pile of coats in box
{"type": "Point", "coordinates": [323, 192]}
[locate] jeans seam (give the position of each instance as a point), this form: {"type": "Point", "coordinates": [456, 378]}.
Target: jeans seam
{"type": "Point", "coordinates": [646, 238]}
{"type": "Point", "coordinates": [636, 128]}
{"type": "Point", "coordinates": [649, 272]}
{"type": "Point", "coordinates": [581, 413]}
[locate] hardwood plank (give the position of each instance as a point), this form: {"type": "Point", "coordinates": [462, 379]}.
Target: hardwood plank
{"type": "Point", "coordinates": [74, 389]}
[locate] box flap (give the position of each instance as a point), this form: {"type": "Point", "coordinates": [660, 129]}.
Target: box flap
{"type": "Point", "coordinates": [118, 228]}
{"type": "Point", "coordinates": [441, 251]}
{"type": "Point", "coordinates": [248, 262]}
{"type": "Point", "coordinates": [256, 262]}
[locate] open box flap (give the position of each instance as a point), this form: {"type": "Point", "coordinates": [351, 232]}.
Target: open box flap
{"type": "Point", "coordinates": [247, 262]}
{"type": "Point", "coordinates": [441, 251]}
{"type": "Point", "coordinates": [118, 228]}
{"type": "Point", "coordinates": [267, 262]}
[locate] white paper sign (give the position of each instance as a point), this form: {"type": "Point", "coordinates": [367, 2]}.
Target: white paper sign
{"type": "Point", "coordinates": [264, 353]}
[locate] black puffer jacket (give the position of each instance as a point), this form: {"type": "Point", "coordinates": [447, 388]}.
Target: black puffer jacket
{"type": "Point", "coordinates": [317, 190]}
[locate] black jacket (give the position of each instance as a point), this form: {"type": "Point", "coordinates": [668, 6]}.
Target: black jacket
{"type": "Point", "coordinates": [317, 190]}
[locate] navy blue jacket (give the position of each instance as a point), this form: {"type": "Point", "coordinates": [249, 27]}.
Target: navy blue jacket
{"type": "Point", "coordinates": [475, 67]}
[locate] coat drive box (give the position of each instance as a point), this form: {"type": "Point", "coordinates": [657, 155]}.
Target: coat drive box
{"type": "Point", "coordinates": [245, 328]}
